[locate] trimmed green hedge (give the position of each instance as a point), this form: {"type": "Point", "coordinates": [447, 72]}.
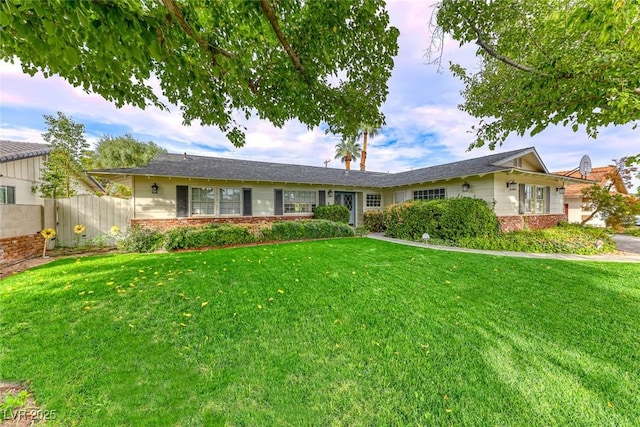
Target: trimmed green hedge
{"type": "Point", "coordinates": [212, 235]}
{"type": "Point", "coordinates": [374, 221]}
{"type": "Point", "coordinates": [446, 219]}
{"type": "Point", "coordinates": [335, 213]}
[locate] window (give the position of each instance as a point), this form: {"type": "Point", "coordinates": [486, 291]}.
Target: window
{"type": "Point", "coordinates": [299, 201]}
{"type": "Point", "coordinates": [229, 201]}
{"type": "Point", "coordinates": [374, 200]}
{"type": "Point", "coordinates": [202, 201]}
{"type": "Point", "coordinates": [7, 195]}
{"type": "Point", "coordinates": [431, 194]}
{"type": "Point", "coordinates": [534, 199]}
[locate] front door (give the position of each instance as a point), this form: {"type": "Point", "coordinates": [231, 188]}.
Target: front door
{"type": "Point", "coordinates": [349, 200]}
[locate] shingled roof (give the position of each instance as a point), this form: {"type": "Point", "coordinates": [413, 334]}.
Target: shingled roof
{"type": "Point", "coordinates": [188, 166]}
{"type": "Point", "coordinates": [14, 150]}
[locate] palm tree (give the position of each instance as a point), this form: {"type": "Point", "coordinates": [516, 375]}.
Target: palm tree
{"type": "Point", "coordinates": [365, 131]}
{"type": "Point", "coordinates": [347, 151]}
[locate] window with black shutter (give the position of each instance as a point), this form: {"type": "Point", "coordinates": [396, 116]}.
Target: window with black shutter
{"type": "Point", "coordinates": [246, 202]}
{"type": "Point", "coordinates": [182, 201]}
{"type": "Point", "coordinates": [277, 207]}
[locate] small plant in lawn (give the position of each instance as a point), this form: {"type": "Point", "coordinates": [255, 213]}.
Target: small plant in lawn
{"type": "Point", "coordinates": [13, 401]}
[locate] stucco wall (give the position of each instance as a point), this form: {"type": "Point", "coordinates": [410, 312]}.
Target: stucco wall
{"type": "Point", "coordinates": [19, 220]}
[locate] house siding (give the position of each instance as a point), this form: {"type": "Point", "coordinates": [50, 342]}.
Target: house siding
{"type": "Point", "coordinates": [23, 174]}
{"type": "Point", "coordinates": [162, 206]}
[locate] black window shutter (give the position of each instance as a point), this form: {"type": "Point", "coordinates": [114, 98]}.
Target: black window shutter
{"type": "Point", "coordinates": [521, 198]}
{"type": "Point", "coordinates": [322, 196]}
{"type": "Point", "coordinates": [277, 208]}
{"type": "Point", "coordinates": [246, 202]}
{"type": "Point", "coordinates": [547, 199]}
{"type": "Point", "coordinates": [182, 201]}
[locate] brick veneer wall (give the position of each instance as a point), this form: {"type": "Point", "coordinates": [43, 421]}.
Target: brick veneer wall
{"type": "Point", "coordinates": [166, 223]}
{"type": "Point", "coordinates": [534, 222]}
{"type": "Point", "coordinates": [20, 248]}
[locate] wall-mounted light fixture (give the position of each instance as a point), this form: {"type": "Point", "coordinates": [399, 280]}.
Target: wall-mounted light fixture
{"type": "Point", "coordinates": [465, 187]}
{"type": "Point", "coordinates": [154, 188]}
{"type": "Point", "coordinates": [330, 193]}
{"type": "Point", "coordinates": [560, 190]}
{"type": "Point", "coordinates": [512, 185]}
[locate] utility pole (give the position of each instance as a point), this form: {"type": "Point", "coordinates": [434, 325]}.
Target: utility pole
{"type": "Point", "coordinates": [325, 162]}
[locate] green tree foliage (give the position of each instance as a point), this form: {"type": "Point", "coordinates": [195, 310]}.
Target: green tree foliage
{"type": "Point", "coordinates": [123, 152]}
{"type": "Point", "coordinates": [63, 169]}
{"type": "Point", "coordinates": [347, 151]}
{"type": "Point", "coordinates": [317, 61]}
{"type": "Point", "coordinates": [545, 63]}
{"type": "Point", "coordinates": [616, 209]}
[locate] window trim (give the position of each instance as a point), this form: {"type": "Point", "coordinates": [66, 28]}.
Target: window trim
{"type": "Point", "coordinates": [237, 190]}
{"type": "Point", "coordinates": [430, 194]}
{"type": "Point", "coordinates": [9, 194]}
{"type": "Point", "coordinates": [375, 197]}
{"type": "Point", "coordinates": [297, 204]}
{"type": "Point", "coordinates": [538, 204]}
{"type": "Point", "coordinates": [191, 201]}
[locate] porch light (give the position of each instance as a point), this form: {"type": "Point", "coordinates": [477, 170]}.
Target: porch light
{"type": "Point", "coordinates": [154, 188]}
{"type": "Point", "coordinates": [560, 190]}
{"type": "Point", "coordinates": [465, 187]}
{"type": "Point", "coordinates": [512, 185]}
{"type": "Point", "coordinates": [330, 193]}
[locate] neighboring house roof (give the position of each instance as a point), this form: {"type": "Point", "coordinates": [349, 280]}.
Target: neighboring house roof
{"type": "Point", "coordinates": [188, 166]}
{"type": "Point", "coordinates": [599, 175]}
{"type": "Point", "coordinates": [14, 150]}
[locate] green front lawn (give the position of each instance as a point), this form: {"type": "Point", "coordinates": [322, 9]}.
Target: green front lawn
{"type": "Point", "coordinates": [336, 332]}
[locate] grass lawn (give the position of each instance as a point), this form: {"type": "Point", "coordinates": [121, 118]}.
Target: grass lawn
{"type": "Point", "coordinates": [336, 332]}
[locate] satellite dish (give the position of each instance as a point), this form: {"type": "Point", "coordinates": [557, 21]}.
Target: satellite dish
{"type": "Point", "coordinates": [585, 166]}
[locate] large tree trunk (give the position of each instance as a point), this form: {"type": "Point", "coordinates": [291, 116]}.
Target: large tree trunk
{"type": "Point", "coordinates": [347, 162]}
{"type": "Point", "coordinates": [363, 155]}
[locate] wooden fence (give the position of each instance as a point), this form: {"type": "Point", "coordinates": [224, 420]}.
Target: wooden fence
{"type": "Point", "coordinates": [97, 214]}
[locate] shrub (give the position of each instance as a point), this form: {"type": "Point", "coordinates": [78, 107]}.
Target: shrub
{"type": "Point", "coordinates": [309, 229]}
{"type": "Point", "coordinates": [208, 235]}
{"type": "Point", "coordinates": [374, 221]}
{"type": "Point", "coordinates": [632, 231]}
{"type": "Point", "coordinates": [335, 213]}
{"type": "Point", "coordinates": [448, 220]}
{"type": "Point", "coordinates": [145, 240]}
{"type": "Point", "coordinates": [139, 239]}
{"type": "Point", "coordinates": [570, 239]}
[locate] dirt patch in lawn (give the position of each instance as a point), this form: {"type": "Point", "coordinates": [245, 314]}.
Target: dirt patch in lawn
{"type": "Point", "coordinates": [19, 409]}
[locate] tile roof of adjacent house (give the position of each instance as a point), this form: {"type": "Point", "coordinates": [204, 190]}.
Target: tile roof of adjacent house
{"type": "Point", "coordinates": [600, 175]}
{"type": "Point", "coordinates": [188, 166]}
{"type": "Point", "coordinates": [14, 150]}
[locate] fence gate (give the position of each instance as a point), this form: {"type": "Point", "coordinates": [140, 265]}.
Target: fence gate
{"type": "Point", "coordinates": [97, 214]}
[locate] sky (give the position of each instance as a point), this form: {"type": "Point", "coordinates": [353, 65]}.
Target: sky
{"type": "Point", "coordinates": [424, 125]}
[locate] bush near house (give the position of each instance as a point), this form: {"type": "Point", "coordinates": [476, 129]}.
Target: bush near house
{"type": "Point", "coordinates": [210, 235]}
{"type": "Point", "coordinates": [446, 220]}
{"type": "Point", "coordinates": [374, 221]}
{"type": "Point", "coordinates": [566, 238]}
{"type": "Point", "coordinates": [335, 213]}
